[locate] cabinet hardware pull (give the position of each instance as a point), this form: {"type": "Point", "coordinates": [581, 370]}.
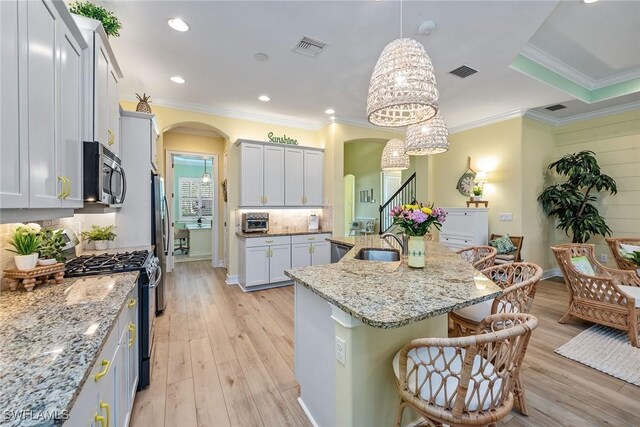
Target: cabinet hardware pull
{"type": "Point", "coordinates": [61, 193]}
{"type": "Point", "coordinates": [99, 419]}
{"type": "Point", "coordinates": [108, 409]}
{"type": "Point", "coordinates": [67, 183]}
{"type": "Point", "coordinates": [268, 241]}
{"type": "Point", "coordinates": [110, 139]}
{"type": "Point", "coordinates": [132, 330]}
{"type": "Point", "coordinates": [132, 303]}
{"type": "Point", "coordinates": [267, 252]}
{"type": "Point", "coordinates": [105, 364]}
{"type": "Point", "coordinates": [311, 238]}
{"type": "Point", "coordinates": [309, 249]}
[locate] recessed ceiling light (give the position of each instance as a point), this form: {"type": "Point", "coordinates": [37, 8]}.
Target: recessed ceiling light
{"type": "Point", "coordinates": [178, 25]}
{"type": "Point", "coordinates": [264, 98]}
{"type": "Point", "coordinates": [589, 1]}
{"type": "Point", "coordinates": [329, 111]}
{"type": "Point", "coordinates": [261, 57]}
{"type": "Point", "coordinates": [177, 79]}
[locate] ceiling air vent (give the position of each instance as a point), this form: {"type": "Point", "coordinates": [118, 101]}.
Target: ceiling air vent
{"type": "Point", "coordinates": [555, 107]}
{"type": "Point", "coordinates": [463, 71]}
{"type": "Point", "coordinates": [310, 47]}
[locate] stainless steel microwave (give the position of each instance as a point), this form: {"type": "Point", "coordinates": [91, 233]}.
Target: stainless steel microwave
{"type": "Point", "coordinates": [104, 179]}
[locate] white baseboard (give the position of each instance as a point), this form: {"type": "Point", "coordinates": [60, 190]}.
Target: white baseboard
{"type": "Point", "coordinates": [221, 263]}
{"type": "Point", "coordinates": [307, 413]}
{"type": "Point", "coordinates": [232, 280]}
{"type": "Point", "coordinates": [548, 274]}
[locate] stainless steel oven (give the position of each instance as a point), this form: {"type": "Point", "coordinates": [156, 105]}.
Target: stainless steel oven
{"type": "Point", "coordinates": [104, 180]}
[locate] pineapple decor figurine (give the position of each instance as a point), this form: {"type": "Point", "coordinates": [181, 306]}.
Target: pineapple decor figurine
{"type": "Point", "coordinates": [143, 106]}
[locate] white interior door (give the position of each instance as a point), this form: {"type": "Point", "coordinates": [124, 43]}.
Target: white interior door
{"type": "Point", "coordinates": [391, 182]}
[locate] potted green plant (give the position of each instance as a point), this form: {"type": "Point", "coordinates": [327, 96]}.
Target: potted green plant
{"type": "Point", "coordinates": [572, 201]}
{"type": "Point", "coordinates": [110, 22]}
{"type": "Point", "coordinates": [25, 239]}
{"type": "Point", "coordinates": [100, 236]}
{"type": "Point", "coordinates": [477, 193]}
{"type": "Point", "coordinates": [51, 244]}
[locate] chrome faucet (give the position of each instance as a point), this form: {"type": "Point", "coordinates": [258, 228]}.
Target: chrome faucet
{"type": "Point", "coordinates": [404, 242]}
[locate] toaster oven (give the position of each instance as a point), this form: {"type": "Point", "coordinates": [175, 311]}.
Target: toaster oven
{"type": "Point", "coordinates": [255, 222]}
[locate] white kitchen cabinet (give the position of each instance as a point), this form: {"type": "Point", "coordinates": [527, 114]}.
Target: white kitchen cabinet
{"type": "Point", "coordinates": [273, 175]}
{"type": "Point", "coordinates": [251, 175]}
{"type": "Point", "coordinates": [279, 261]}
{"type": "Point", "coordinates": [70, 118]}
{"type": "Point", "coordinates": [294, 176]}
{"type": "Point", "coordinates": [107, 390]}
{"type": "Point", "coordinates": [101, 73]}
{"type": "Point", "coordinates": [313, 177]}
{"type": "Point", "coordinates": [42, 35]}
{"type": "Point", "coordinates": [263, 261]}
{"type": "Point", "coordinates": [465, 227]}
{"type": "Point", "coordinates": [14, 170]}
{"type": "Point", "coordinates": [41, 147]}
{"type": "Point", "coordinates": [310, 249]}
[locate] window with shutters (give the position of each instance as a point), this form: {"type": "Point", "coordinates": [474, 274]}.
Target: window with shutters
{"type": "Point", "coordinates": [195, 198]}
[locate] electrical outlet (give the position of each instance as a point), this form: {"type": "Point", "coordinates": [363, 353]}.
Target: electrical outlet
{"type": "Point", "coordinates": [604, 258]}
{"type": "Point", "coordinates": [341, 350]}
{"type": "Point", "coordinates": [505, 217]}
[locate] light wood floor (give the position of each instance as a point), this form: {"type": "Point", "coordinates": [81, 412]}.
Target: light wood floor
{"type": "Point", "coordinates": [225, 358]}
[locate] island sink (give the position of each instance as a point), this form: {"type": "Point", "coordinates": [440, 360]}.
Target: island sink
{"type": "Point", "coordinates": [378, 255]}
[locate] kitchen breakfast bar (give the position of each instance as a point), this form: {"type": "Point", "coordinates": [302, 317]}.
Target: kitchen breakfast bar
{"type": "Point", "coordinates": [353, 316]}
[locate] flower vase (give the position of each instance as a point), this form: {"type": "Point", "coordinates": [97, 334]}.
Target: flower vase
{"type": "Point", "coordinates": [416, 252]}
{"type": "Point", "coordinates": [101, 245]}
{"type": "Point", "coordinates": [25, 262]}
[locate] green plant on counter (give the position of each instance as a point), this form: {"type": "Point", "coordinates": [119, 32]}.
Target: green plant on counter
{"type": "Point", "coordinates": [110, 22]}
{"type": "Point", "coordinates": [572, 201]}
{"type": "Point", "coordinates": [25, 239]}
{"type": "Point", "coordinates": [98, 233]}
{"type": "Point", "coordinates": [51, 245]}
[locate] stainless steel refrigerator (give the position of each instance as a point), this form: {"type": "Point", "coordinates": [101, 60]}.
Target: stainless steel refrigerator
{"type": "Point", "coordinates": [160, 234]}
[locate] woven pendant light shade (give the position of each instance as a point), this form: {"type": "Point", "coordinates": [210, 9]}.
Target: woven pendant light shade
{"type": "Point", "coordinates": [402, 90]}
{"type": "Point", "coordinates": [430, 137]}
{"type": "Point", "coordinates": [394, 156]}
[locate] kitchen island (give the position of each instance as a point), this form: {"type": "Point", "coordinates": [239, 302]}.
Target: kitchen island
{"type": "Point", "coordinates": [351, 318]}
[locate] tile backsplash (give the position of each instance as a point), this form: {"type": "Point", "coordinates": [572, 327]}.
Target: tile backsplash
{"type": "Point", "coordinates": [283, 220]}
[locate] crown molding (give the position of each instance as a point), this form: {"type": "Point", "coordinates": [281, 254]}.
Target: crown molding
{"type": "Point", "coordinates": [544, 59]}
{"type": "Point", "coordinates": [487, 121]}
{"type": "Point", "coordinates": [278, 120]}
{"type": "Point", "coordinates": [361, 123]}
{"type": "Point", "coordinates": [541, 117]}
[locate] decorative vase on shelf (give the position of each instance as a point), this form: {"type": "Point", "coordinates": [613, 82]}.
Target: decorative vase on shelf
{"type": "Point", "coordinates": [416, 252]}
{"type": "Point", "coordinates": [25, 262]}
{"type": "Point", "coordinates": [101, 245]}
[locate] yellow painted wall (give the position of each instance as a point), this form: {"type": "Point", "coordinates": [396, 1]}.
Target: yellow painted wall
{"type": "Point", "coordinates": [174, 141]}
{"type": "Point", "coordinates": [616, 142]}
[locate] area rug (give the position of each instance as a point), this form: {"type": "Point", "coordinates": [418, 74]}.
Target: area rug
{"type": "Point", "coordinates": [606, 350]}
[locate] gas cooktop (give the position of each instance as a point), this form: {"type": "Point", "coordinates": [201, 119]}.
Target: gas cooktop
{"type": "Point", "coordinates": [106, 263]}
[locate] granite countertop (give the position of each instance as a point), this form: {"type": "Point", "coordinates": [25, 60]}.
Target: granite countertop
{"type": "Point", "coordinates": [274, 233]}
{"type": "Point", "coordinates": [391, 294]}
{"type": "Point", "coordinates": [50, 339]}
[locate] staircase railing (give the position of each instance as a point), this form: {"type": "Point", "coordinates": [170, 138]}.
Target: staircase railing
{"type": "Point", "coordinates": [406, 194]}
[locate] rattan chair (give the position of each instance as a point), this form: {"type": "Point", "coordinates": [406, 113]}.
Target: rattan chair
{"type": "Point", "coordinates": [614, 246]}
{"type": "Point", "coordinates": [513, 256]}
{"type": "Point", "coordinates": [466, 380]}
{"type": "Point", "coordinates": [518, 282]}
{"type": "Point", "coordinates": [480, 256]}
{"type": "Point", "coordinates": [610, 298]}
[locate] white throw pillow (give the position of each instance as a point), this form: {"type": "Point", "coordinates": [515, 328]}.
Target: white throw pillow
{"type": "Point", "coordinates": [633, 291]}
{"type": "Point", "coordinates": [629, 248]}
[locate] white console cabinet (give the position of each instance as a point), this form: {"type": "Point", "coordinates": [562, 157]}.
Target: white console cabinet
{"type": "Point", "coordinates": [465, 227]}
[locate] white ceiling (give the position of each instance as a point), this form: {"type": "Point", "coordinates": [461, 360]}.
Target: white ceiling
{"type": "Point", "coordinates": [216, 56]}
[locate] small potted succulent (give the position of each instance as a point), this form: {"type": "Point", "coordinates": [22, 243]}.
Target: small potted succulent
{"type": "Point", "coordinates": [477, 193]}
{"type": "Point", "coordinates": [51, 244]}
{"type": "Point", "coordinates": [100, 236]}
{"type": "Point", "coordinates": [25, 239]}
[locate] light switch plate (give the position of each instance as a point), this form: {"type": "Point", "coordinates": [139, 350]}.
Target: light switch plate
{"type": "Point", "coordinates": [505, 217]}
{"type": "Point", "coordinates": [341, 351]}
{"type": "Point", "coordinates": [604, 258]}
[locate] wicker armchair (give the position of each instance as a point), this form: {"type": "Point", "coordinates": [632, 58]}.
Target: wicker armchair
{"type": "Point", "coordinates": [610, 298]}
{"type": "Point", "coordinates": [480, 256]}
{"type": "Point", "coordinates": [513, 256]}
{"type": "Point", "coordinates": [467, 380]}
{"type": "Point", "coordinates": [614, 246]}
{"type": "Point", "coordinates": [519, 282]}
